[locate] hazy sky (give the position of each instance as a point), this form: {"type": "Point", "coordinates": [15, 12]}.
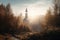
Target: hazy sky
{"type": "Point", "coordinates": [35, 7]}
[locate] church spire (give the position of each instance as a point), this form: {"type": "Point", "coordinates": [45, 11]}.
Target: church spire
{"type": "Point", "coordinates": [26, 13]}
{"type": "Point", "coordinates": [26, 17]}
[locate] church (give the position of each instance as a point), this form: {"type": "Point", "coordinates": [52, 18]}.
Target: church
{"type": "Point", "coordinates": [25, 20]}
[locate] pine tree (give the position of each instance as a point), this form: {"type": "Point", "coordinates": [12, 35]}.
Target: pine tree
{"type": "Point", "coordinates": [48, 19]}
{"type": "Point", "coordinates": [8, 9]}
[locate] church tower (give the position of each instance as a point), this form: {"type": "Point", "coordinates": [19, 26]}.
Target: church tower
{"type": "Point", "coordinates": [26, 15]}
{"type": "Point", "coordinates": [25, 20]}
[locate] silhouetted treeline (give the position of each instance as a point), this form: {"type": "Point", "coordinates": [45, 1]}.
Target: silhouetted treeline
{"type": "Point", "coordinates": [53, 18]}
{"type": "Point", "coordinates": [9, 23]}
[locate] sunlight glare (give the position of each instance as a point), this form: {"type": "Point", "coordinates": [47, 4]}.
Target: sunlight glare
{"type": "Point", "coordinates": [33, 13]}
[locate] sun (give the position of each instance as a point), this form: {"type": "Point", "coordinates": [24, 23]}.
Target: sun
{"type": "Point", "coordinates": [34, 13]}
